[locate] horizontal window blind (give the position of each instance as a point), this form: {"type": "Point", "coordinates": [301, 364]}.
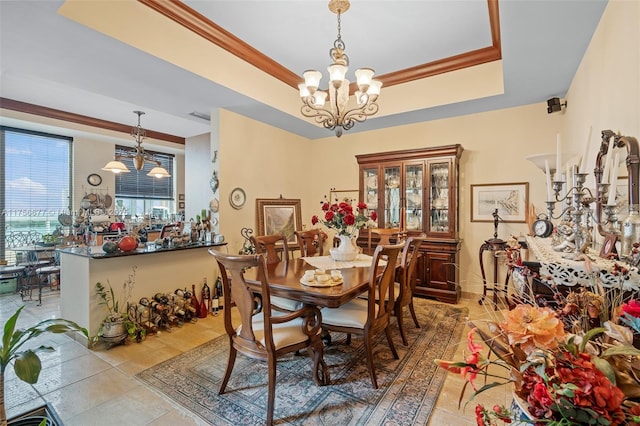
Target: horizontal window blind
{"type": "Point", "coordinates": [35, 185]}
{"type": "Point", "coordinates": [136, 184]}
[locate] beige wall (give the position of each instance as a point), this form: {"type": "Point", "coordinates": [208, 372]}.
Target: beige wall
{"type": "Point", "coordinates": [264, 161]}
{"type": "Point", "coordinates": [605, 92]}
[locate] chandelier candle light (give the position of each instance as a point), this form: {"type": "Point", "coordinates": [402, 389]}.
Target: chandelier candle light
{"type": "Point", "coordinates": [336, 113]}
{"type": "Point", "coordinates": [138, 157]}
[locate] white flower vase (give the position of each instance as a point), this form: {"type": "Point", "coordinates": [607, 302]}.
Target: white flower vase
{"type": "Point", "coordinates": [346, 251]}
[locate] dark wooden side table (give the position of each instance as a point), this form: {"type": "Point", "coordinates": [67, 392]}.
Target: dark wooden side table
{"type": "Point", "coordinates": [493, 245]}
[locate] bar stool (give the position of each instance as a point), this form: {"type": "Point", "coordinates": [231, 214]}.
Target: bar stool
{"type": "Point", "coordinates": [44, 276]}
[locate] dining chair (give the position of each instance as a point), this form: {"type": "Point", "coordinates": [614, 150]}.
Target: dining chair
{"type": "Point", "coordinates": [366, 317]}
{"type": "Point", "coordinates": [267, 335]}
{"type": "Point", "coordinates": [270, 245]}
{"type": "Point", "coordinates": [386, 236]}
{"type": "Point", "coordinates": [406, 285]}
{"type": "Point", "coordinates": [311, 242]}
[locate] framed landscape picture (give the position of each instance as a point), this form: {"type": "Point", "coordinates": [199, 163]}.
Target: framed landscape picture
{"type": "Point", "coordinates": [511, 200]}
{"type": "Point", "coordinates": [279, 216]}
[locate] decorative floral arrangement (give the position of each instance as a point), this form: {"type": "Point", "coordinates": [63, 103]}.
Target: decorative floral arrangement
{"type": "Point", "coordinates": [342, 217]}
{"type": "Point", "coordinates": [565, 368]}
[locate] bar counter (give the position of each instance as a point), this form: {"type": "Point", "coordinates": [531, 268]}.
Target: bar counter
{"type": "Point", "coordinates": [157, 269]}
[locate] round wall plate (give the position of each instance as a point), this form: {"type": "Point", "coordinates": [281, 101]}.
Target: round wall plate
{"type": "Point", "coordinates": [237, 198]}
{"type": "Point", "coordinates": [94, 179]}
{"type": "Point", "coordinates": [214, 205]}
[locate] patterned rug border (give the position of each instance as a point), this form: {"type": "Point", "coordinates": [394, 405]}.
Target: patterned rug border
{"type": "Point", "coordinates": [408, 388]}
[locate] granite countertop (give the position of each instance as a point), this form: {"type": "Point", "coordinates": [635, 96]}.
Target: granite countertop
{"type": "Point", "coordinates": [149, 248]}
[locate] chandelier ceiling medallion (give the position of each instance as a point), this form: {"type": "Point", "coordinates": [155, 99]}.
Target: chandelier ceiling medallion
{"type": "Point", "coordinates": [139, 156]}
{"type": "Point", "coordinates": [335, 113]}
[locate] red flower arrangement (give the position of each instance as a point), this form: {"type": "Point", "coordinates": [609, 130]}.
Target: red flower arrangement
{"type": "Point", "coordinates": [342, 217]}
{"type": "Point", "coordinates": [563, 379]}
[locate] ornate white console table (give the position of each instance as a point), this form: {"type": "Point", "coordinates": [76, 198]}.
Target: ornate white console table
{"type": "Point", "coordinates": [555, 269]}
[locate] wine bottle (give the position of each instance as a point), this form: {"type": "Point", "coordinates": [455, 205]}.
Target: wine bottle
{"type": "Point", "coordinates": [202, 312]}
{"type": "Point", "coordinates": [219, 291]}
{"type": "Point", "coordinates": [194, 300]}
{"type": "Point", "coordinates": [152, 304]}
{"type": "Point", "coordinates": [207, 294]}
{"type": "Point", "coordinates": [215, 302]}
{"type": "Point", "coordinates": [161, 298]}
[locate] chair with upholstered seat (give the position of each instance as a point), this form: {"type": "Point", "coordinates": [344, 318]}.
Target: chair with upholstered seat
{"type": "Point", "coordinates": [405, 284]}
{"type": "Point", "coordinates": [311, 242]}
{"type": "Point", "coordinates": [270, 246]}
{"type": "Point", "coordinates": [267, 335]}
{"type": "Point", "coordinates": [405, 287]}
{"type": "Point", "coordinates": [366, 317]}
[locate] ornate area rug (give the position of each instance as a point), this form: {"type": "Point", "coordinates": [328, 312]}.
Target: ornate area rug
{"type": "Point", "coordinates": [408, 387]}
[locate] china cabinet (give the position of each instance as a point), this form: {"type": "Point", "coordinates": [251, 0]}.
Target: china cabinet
{"type": "Point", "coordinates": [416, 190]}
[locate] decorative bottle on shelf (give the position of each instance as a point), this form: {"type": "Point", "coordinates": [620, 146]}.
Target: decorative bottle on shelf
{"type": "Point", "coordinates": [630, 230]}
{"type": "Point", "coordinates": [194, 300]}
{"type": "Point", "coordinates": [219, 292]}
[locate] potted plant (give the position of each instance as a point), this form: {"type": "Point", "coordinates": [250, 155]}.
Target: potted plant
{"type": "Point", "coordinates": [117, 325]}
{"type": "Point", "coordinates": [26, 363]}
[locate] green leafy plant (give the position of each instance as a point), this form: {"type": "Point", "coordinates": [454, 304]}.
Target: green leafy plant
{"type": "Point", "coordinates": [117, 306]}
{"type": "Point", "coordinates": [26, 363]}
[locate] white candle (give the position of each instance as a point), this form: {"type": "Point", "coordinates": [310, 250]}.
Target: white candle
{"type": "Point", "coordinates": [614, 177]}
{"type": "Point", "coordinates": [558, 156]}
{"type": "Point", "coordinates": [582, 167]}
{"type": "Point", "coordinates": [570, 172]}
{"type": "Point", "coordinates": [607, 169]}
{"type": "Point", "coordinates": [546, 165]}
{"type": "Point", "coordinates": [607, 164]}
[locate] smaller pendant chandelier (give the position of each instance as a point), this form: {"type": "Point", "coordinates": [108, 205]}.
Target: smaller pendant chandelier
{"type": "Point", "coordinates": [334, 113]}
{"type": "Point", "coordinates": [139, 156]}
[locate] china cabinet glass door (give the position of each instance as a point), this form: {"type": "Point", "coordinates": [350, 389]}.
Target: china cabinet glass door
{"type": "Point", "coordinates": [413, 195]}
{"type": "Point", "coordinates": [370, 185]}
{"type": "Point", "coordinates": [392, 186]}
{"type": "Point", "coordinates": [439, 196]}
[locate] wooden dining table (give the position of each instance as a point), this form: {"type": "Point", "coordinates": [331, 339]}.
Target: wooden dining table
{"type": "Point", "coordinates": [284, 281]}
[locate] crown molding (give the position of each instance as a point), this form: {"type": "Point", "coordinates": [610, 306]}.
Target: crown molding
{"type": "Point", "coordinates": [201, 25]}
{"type": "Point", "coordinates": [57, 114]}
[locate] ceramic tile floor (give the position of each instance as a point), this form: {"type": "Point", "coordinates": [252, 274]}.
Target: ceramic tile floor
{"type": "Point", "coordinates": [98, 387]}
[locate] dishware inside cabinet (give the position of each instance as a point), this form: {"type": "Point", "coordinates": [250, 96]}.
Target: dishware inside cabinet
{"type": "Point", "coordinates": [392, 197]}
{"type": "Point", "coordinates": [413, 195]}
{"type": "Point", "coordinates": [370, 183]}
{"type": "Point", "coordinates": [439, 196]}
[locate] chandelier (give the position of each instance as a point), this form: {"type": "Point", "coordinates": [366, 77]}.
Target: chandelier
{"type": "Point", "coordinates": [139, 156]}
{"type": "Point", "coordinates": [336, 113]}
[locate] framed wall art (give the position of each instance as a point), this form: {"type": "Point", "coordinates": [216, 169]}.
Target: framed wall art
{"type": "Point", "coordinates": [511, 200]}
{"type": "Point", "coordinates": [279, 216]}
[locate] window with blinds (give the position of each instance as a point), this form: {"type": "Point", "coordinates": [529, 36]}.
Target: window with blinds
{"type": "Point", "coordinates": [35, 186]}
{"type": "Point", "coordinates": [136, 184]}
